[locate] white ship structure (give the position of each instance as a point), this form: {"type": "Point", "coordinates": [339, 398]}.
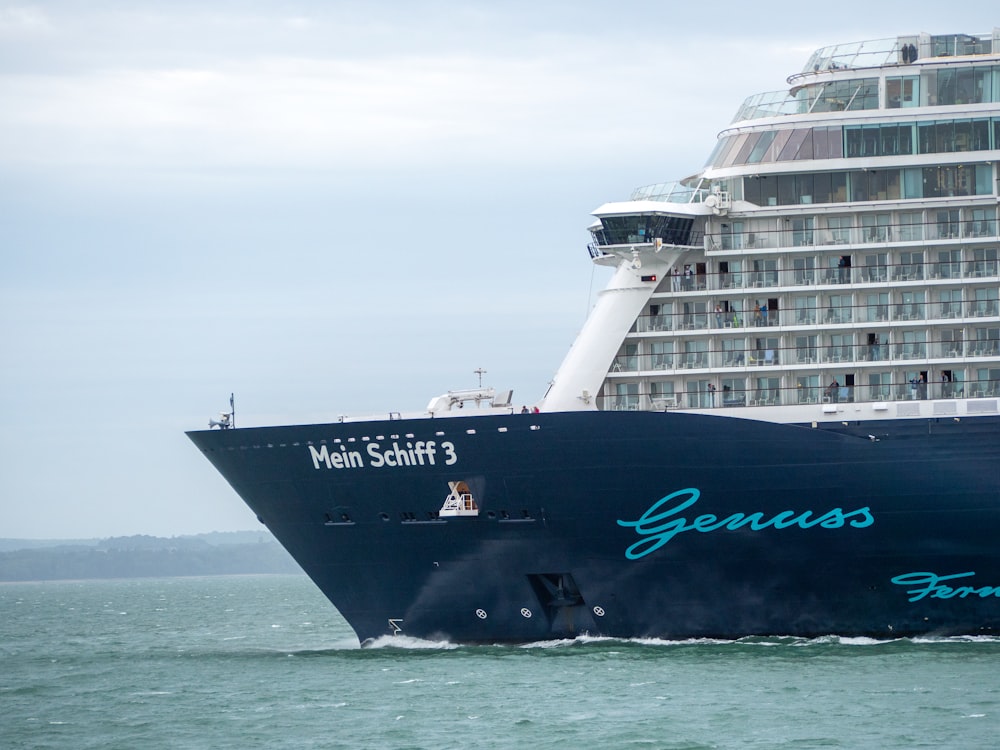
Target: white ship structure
{"type": "Point", "coordinates": [835, 258]}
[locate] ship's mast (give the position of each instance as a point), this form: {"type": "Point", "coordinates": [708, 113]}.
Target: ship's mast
{"type": "Point", "coordinates": [579, 378]}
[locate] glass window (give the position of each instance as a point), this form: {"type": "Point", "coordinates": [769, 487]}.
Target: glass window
{"type": "Point", "coordinates": [876, 227]}
{"type": "Point", "coordinates": [807, 389]}
{"type": "Point", "coordinates": [968, 86]}
{"type": "Point", "coordinates": [780, 139]}
{"type": "Point", "coordinates": [746, 148]}
{"type": "Point", "coordinates": [805, 310]}
{"type": "Point", "coordinates": [950, 303]}
{"type": "Point", "coordinates": [826, 143]}
{"type": "Point", "coordinates": [719, 152]}
{"type": "Point", "coordinates": [947, 86]}
{"type": "Point", "coordinates": [853, 141]}
{"type": "Point", "coordinates": [734, 392]}
{"type": "Point", "coordinates": [902, 91]}
{"type": "Point", "coordinates": [948, 225]}
{"type": "Point", "coordinates": [765, 350]}
{"type": "Point", "coordinates": [786, 190]}
{"type": "Point", "coordinates": [840, 349]}
{"type": "Point", "coordinates": [626, 396]}
{"type": "Point", "coordinates": [985, 303]}
{"type": "Point", "coordinates": [984, 180]}
{"type": "Point", "coordinates": [879, 386]}
{"type": "Point", "coordinates": [906, 138]}
{"type": "Point", "coordinates": [838, 188]}
{"type": "Point", "coordinates": [792, 146]}
{"type": "Point", "coordinates": [805, 150]}
{"type": "Point", "coordinates": [643, 228]}
{"type": "Point", "coordinates": [870, 141]}
{"type": "Point", "coordinates": [735, 148]}
{"type": "Point", "coordinates": [865, 94]}
{"type": "Point", "coordinates": [914, 345]}
{"type": "Point", "coordinates": [944, 137]}
{"type": "Point", "coordinates": [733, 352]}
{"type": "Point", "coordinates": [661, 355]}
{"type": "Point", "coordinates": [763, 143]}
{"type": "Point", "coordinates": [949, 265]}
{"type": "Point", "coordinates": [876, 267]}
{"type": "Point", "coordinates": [889, 140]}
{"type": "Point", "coordinates": [911, 227]}
{"type": "Point", "coordinates": [946, 181]}
{"type": "Point", "coordinates": [987, 382]}
{"type": "Point", "coordinates": [963, 135]}
{"type": "Point", "coordinates": [802, 230]}
{"type": "Point", "coordinates": [927, 137]}
{"type": "Point", "coordinates": [859, 186]}
{"type": "Point", "coordinates": [980, 135]}
{"type": "Point", "coordinates": [911, 265]}
{"type": "Point", "coordinates": [768, 391]}
{"type": "Point", "coordinates": [981, 222]}
{"type": "Point", "coordinates": [698, 394]}
{"type": "Point", "coordinates": [877, 307]}
{"type": "Point", "coordinates": [952, 342]}
{"type": "Point", "coordinates": [839, 310]}
{"type": "Point", "coordinates": [661, 390]}
{"type": "Point", "coordinates": [822, 190]}
{"type": "Point", "coordinates": [911, 306]}
{"type": "Point", "coordinates": [913, 182]}
{"type": "Point", "coordinates": [805, 349]}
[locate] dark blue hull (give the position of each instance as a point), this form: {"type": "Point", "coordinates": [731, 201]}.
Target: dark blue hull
{"type": "Point", "coordinates": [635, 524]}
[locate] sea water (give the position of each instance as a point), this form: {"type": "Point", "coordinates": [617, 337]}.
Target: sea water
{"type": "Point", "coordinates": [265, 661]}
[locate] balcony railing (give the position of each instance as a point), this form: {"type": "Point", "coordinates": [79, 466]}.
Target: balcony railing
{"type": "Point", "coordinates": [819, 354]}
{"type": "Point", "coordinates": [831, 277]}
{"type": "Point", "coordinates": [834, 237]}
{"type": "Point", "coordinates": [828, 316]}
{"type": "Point", "coordinates": [913, 390]}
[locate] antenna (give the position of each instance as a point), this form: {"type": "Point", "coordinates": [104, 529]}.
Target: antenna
{"type": "Point", "coordinates": [480, 372]}
{"type": "Point", "coordinates": [226, 420]}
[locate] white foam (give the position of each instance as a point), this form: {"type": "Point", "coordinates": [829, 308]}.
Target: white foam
{"type": "Point", "coordinates": [408, 642]}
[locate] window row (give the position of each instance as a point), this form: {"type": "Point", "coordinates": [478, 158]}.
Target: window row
{"type": "Point", "coordinates": [833, 386]}
{"type": "Point", "coordinates": [863, 185]}
{"type": "Point", "coordinates": [806, 349]}
{"type": "Point", "coordinates": [933, 87]}
{"type": "Point", "coordinates": [830, 229]}
{"type": "Point", "coordinates": [856, 141]}
{"type": "Point", "coordinates": [825, 309]}
{"type": "Point", "coordinates": [833, 270]}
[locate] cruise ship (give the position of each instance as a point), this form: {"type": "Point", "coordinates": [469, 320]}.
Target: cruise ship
{"type": "Point", "coordinates": [781, 417]}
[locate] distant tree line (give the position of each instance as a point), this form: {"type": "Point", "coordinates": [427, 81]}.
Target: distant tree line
{"type": "Point", "coordinates": [145, 556]}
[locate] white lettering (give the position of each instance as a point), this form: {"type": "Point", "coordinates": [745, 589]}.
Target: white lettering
{"type": "Point", "coordinates": [419, 453]}
{"type": "Point", "coordinates": [320, 455]}
{"type": "Point", "coordinates": [377, 460]}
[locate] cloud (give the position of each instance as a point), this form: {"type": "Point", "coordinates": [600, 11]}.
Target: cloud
{"type": "Point", "coordinates": [16, 21]}
{"type": "Point", "coordinates": [346, 92]}
{"type": "Point", "coordinates": [302, 113]}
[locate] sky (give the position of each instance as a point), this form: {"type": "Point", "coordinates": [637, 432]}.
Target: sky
{"type": "Point", "coordinates": [325, 208]}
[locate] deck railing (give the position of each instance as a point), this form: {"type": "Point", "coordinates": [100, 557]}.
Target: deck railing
{"type": "Point", "coordinates": [913, 390]}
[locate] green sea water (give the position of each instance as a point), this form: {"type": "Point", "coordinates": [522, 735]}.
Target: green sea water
{"type": "Point", "coordinates": [265, 661]}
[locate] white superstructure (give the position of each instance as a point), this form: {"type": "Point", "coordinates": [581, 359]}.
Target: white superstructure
{"type": "Point", "coordinates": [836, 259]}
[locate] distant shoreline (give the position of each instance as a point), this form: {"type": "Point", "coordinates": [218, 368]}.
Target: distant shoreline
{"type": "Point", "coordinates": [229, 553]}
{"type": "Point", "coordinates": [4, 583]}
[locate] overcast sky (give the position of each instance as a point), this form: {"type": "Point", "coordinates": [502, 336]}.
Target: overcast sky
{"type": "Point", "coordinates": [326, 208]}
